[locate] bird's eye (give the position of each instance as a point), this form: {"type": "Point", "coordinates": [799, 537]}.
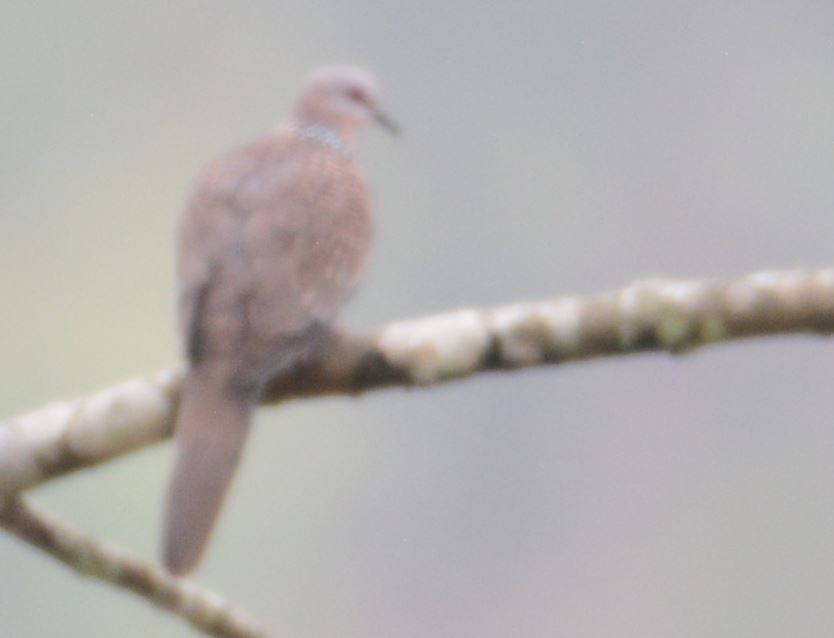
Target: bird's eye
{"type": "Point", "coordinates": [357, 95]}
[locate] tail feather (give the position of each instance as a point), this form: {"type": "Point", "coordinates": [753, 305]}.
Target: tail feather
{"type": "Point", "coordinates": [211, 430]}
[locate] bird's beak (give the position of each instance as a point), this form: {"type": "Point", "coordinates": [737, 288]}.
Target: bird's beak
{"type": "Point", "coordinates": [386, 121]}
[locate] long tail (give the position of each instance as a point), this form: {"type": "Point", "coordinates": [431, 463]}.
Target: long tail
{"type": "Point", "coordinates": [211, 429]}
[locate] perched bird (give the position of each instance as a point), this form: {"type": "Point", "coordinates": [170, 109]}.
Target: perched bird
{"type": "Point", "coordinates": [272, 242]}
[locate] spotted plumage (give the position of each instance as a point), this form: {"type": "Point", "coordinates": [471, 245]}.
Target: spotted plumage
{"type": "Point", "coordinates": [272, 243]}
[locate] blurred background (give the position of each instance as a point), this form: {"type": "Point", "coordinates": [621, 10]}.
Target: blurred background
{"type": "Point", "coordinates": [549, 148]}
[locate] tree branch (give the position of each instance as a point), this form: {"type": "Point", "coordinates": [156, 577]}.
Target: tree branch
{"type": "Point", "coordinates": [652, 315]}
{"type": "Point", "coordinates": [206, 611]}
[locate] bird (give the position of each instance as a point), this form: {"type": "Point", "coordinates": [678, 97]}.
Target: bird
{"type": "Point", "coordinates": [272, 242]}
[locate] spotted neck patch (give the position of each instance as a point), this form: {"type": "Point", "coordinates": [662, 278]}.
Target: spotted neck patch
{"type": "Point", "coordinates": [324, 135]}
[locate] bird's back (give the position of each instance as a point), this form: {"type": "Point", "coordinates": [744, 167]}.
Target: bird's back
{"type": "Point", "coordinates": [273, 240]}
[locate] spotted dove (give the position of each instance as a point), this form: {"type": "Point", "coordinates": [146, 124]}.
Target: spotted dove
{"type": "Point", "coordinates": [272, 242]}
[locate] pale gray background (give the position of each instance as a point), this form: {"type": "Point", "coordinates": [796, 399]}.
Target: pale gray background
{"type": "Point", "coordinates": [550, 147]}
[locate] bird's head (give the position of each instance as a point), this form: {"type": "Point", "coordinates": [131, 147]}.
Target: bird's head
{"type": "Point", "coordinates": [342, 98]}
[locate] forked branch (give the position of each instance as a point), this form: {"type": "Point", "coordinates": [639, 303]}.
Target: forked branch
{"type": "Point", "coordinates": [653, 315]}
